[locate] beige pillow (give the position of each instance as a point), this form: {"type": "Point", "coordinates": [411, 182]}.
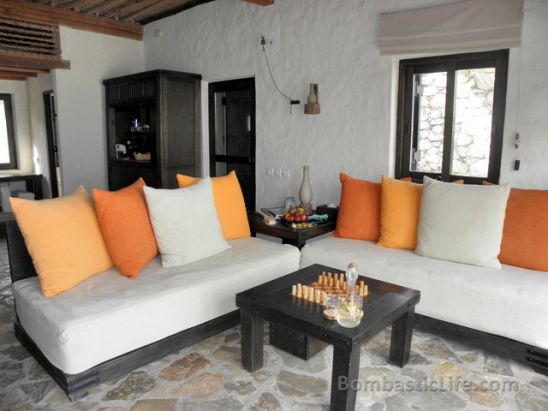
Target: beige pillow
{"type": "Point", "coordinates": [462, 223]}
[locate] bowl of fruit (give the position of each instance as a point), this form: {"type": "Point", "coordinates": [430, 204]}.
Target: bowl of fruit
{"type": "Point", "coordinates": [297, 218]}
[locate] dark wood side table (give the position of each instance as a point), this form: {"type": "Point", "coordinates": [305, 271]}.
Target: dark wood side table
{"type": "Point", "coordinates": [386, 304]}
{"type": "Point", "coordinates": [296, 237]}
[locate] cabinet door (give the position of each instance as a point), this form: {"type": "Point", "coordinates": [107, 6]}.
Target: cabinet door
{"type": "Point", "coordinates": [179, 116]}
{"type": "Point", "coordinates": [113, 93]}
{"type": "Point", "coordinates": [137, 89]}
{"type": "Point", "coordinates": [125, 92]}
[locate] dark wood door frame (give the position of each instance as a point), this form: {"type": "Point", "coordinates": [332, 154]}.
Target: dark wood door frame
{"type": "Point", "coordinates": [49, 107]}
{"type": "Point", "coordinates": [227, 86]}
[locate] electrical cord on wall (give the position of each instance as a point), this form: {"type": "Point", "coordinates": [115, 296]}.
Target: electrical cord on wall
{"type": "Point", "coordinates": [264, 42]}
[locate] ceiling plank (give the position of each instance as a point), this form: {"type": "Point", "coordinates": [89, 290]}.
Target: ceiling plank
{"type": "Point", "coordinates": [11, 59]}
{"type": "Point", "coordinates": [113, 11]}
{"type": "Point", "coordinates": [260, 2]}
{"type": "Point", "coordinates": [185, 6]}
{"type": "Point", "coordinates": [101, 6]}
{"type": "Point", "coordinates": [152, 7]}
{"type": "Point", "coordinates": [21, 10]}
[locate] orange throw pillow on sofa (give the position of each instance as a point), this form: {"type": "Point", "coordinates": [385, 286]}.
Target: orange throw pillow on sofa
{"type": "Point", "coordinates": [125, 223]}
{"type": "Point", "coordinates": [400, 208]}
{"type": "Point", "coordinates": [229, 202]}
{"type": "Point", "coordinates": [63, 238]}
{"type": "Point", "coordinates": [525, 236]}
{"type": "Point", "coordinates": [359, 210]}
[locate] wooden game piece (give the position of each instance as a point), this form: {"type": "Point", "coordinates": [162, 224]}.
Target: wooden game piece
{"type": "Point", "coordinates": [311, 295]}
{"type": "Point", "coordinates": [365, 290]}
{"type": "Point", "coordinates": [330, 275]}
{"type": "Point", "coordinates": [317, 296]}
{"type": "Point", "coordinates": [331, 281]}
{"type": "Point", "coordinates": [294, 290]}
{"type": "Point", "coordinates": [305, 292]}
{"type": "Point", "coordinates": [337, 284]}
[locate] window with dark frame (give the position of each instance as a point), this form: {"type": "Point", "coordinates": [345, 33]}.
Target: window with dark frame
{"type": "Point", "coordinates": [8, 155]}
{"type": "Point", "coordinates": [451, 117]}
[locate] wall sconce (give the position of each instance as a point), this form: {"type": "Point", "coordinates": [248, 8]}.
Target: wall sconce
{"type": "Point", "coordinates": [313, 102]}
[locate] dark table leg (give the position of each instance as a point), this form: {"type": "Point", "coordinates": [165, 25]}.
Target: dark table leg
{"type": "Point", "coordinates": [294, 242]}
{"type": "Point", "coordinates": [346, 369]}
{"type": "Point", "coordinates": [252, 330]}
{"type": "Point", "coordinates": [400, 345]}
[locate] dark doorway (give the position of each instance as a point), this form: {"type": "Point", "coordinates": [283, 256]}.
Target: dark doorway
{"type": "Point", "coordinates": [232, 133]}
{"type": "Point", "coordinates": [51, 134]}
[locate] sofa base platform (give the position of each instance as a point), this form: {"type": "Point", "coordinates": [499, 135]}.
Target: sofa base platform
{"type": "Point", "coordinates": [534, 357]}
{"type": "Point", "coordinates": [77, 385]}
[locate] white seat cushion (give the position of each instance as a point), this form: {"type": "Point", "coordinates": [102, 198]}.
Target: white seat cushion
{"type": "Point", "coordinates": [109, 315]}
{"type": "Point", "coordinates": [510, 302]}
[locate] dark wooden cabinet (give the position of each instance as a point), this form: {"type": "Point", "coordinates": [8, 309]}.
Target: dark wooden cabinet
{"type": "Point", "coordinates": [153, 128]}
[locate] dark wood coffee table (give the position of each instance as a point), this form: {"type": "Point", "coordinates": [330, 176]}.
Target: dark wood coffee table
{"type": "Point", "coordinates": [387, 304]}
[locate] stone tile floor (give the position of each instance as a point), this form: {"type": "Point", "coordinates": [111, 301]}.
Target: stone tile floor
{"type": "Point", "coordinates": [208, 376]}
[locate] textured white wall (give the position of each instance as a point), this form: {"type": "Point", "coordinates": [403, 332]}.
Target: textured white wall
{"type": "Point", "coordinates": [18, 91]}
{"type": "Point", "coordinates": [527, 102]}
{"type": "Point", "coordinates": [37, 117]}
{"type": "Point", "coordinates": [81, 102]}
{"type": "Point", "coordinates": [333, 43]}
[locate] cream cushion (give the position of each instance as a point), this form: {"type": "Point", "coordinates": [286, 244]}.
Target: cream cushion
{"type": "Point", "coordinates": [185, 223]}
{"type": "Point", "coordinates": [462, 223]}
{"type": "Point", "coordinates": [510, 301]}
{"type": "Point", "coordinates": [109, 315]}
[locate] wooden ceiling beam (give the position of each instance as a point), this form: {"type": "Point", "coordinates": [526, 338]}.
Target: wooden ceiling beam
{"type": "Point", "coordinates": [21, 10]}
{"type": "Point", "coordinates": [34, 62]}
{"type": "Point", "coordinates": [260, 2]}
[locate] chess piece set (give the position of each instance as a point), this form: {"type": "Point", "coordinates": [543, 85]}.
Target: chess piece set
{"type": "Point", "coordinates": [328, 284]}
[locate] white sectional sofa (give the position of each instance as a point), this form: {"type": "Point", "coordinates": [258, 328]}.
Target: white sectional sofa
{"type": "Point", "coordinates": [510, 302]}
{"type": "Point", "coordinates": [109, 324]}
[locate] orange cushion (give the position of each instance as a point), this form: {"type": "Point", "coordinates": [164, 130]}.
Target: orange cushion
{"type": "Point", "coordinates": [400, 207]}
{"type": "Point", "coordinates": [525, 236]}
{"type": "Point", "coordinates": [360, 209]}
{"type": "Point", "coordinates": [63, 238]}
{"type": "Point", "coordinates": [229, 202]}
{"type": "Point", "coordinates": [125, 223]}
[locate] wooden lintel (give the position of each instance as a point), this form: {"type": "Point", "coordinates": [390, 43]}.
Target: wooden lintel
{"type": "Point", "coordinates": [260, 2]}
{"type": "Point", "coordinates": [24, 70]}
{"type": "Point", "coordinates": [31, 62]}
{"type": "Point", "coordinates": [39, 13]}
{"type": "Point", "coordinates": [17, 73]}
{"type": "Point", "coordinates": [10, 77]}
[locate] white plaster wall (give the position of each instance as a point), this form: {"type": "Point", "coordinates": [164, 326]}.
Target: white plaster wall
{"type": "Point", "coordinates": [18, 91]}
{"type": "Point", "coordinates": [527, 102]}
{"type": "Point", "coordinates": [37, 118]}
{"type": "Point", "coordinates": [81, 102]}
{"type": "Point", "coordinates": [333, 43]}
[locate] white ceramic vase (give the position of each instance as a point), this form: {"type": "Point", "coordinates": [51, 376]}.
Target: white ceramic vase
{"type": "Point", "coordinates": [305, 193]}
